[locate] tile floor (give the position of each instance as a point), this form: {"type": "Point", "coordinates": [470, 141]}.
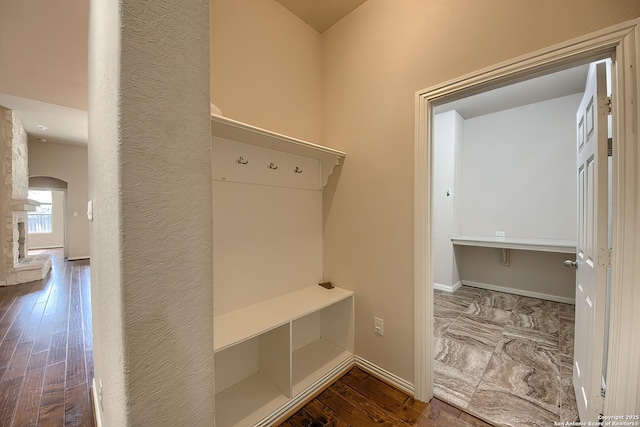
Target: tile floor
{"type": "Point", "coordinates": [504, 358]}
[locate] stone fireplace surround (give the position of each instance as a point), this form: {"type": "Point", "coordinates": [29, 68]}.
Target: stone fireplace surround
{"type": "Point", "coordinates": [17, 266]}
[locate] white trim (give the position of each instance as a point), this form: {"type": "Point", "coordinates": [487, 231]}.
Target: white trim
{"type": "Point", "coordinates": [97, 415]}
{"type": "Point", "coordinates": [623, 389]}
{"type": "Point", "coordinates": [292, 404]}
{"type": "Point", "coordinates": [447, 288]}
{"type": "Point", "coordinates": [37, 248]}
{"type": "Point", "coordinates": [521, 292]}
{"type": "Point", "coordinates": [78, 258]}
{"type": "Point", "coordinates": [623, 369]}
{"type": "Point", "coordinates": [385, 375]}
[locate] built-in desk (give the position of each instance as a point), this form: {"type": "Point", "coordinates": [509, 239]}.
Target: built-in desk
{"type": "Point", "coordinates": [524, 244]}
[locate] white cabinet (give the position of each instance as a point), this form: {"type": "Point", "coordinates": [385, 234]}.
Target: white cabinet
{"type": "Point", "coordinates": [269, 356]}
{"type": "Point", "coordinates": [278, 336]}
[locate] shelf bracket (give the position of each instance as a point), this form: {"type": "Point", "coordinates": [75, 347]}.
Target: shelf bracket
{"type": "Point", "coordinates": [506, 257]}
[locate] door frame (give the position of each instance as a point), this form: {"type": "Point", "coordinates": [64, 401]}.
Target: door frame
{"type": "Point", "coordinates": [621, 43]}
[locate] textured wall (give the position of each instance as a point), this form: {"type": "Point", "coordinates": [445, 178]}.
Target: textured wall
{"type": "Point", "coordinates": [266, 67]}
{"type": "Point", "coordinates": [150, 181]}
{"type": "Point", "coordinates": [68, 163]}
{"type": "Point", "coordinates": [374, 61]}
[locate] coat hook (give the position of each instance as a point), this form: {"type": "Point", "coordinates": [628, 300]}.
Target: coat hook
{"type": "Point", "coordinates": [242, 161]}
{"type": "Point", "coordinates": [272, 166]}
{"type": "Point", "coordinates": [298, 170]}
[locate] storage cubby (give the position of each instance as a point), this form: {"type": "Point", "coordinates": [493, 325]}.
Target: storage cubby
{"type": "Point", "coordinates": [253, 378]}
{"type": "Point", "coordinates": [321, 341]}
{"type": "Point", "coordinates": [278, 336]}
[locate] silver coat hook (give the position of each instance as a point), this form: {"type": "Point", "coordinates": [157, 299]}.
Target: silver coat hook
{"type": "Point", "coordinates": [272, 166]}
{"type": "Point", "coordinates": [242, 161]}
{"type": "Point", "coordinates": [298, 170]}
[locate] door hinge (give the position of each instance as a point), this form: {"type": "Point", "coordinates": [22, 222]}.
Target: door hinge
{"type": "Point", "coordinates": [604, 257]}
{"type": "Point", "coordinates": [609, 106]}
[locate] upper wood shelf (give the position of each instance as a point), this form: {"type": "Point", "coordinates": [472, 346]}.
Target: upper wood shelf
{"type": "Point", "coordinates": [226, 128]}
{"type": "Point", "coordinates": [250, 321]}
{"type": "Point", "coordinates": [543, 245]}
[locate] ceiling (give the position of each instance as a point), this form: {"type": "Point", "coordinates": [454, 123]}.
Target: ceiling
{"type": "Point", "coordinates": [556, 85]}
{"type": "Point", "coordinates": [321, 14]}
{"type": "Point", "coordinates": [64, 125]}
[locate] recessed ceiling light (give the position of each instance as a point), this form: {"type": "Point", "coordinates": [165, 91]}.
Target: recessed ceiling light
{"type": "Point", "coordinates": [42, 140]}
{"type": "Point", "coordinates": [41, 127]}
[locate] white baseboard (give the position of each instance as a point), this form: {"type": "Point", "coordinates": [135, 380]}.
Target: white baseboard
{"type": "Point", "coordinates": [385, 375]}
{"type": "Point", "coordinates": [521, 292]}
{"type": "Point", "coordinates": [77, 258]}
{"type": "Point", "coordinates": [37, 248]}
{"type": "Point", "coordinates": [447, 288]}
{"type": "Point", "coordinates": [96, 404]}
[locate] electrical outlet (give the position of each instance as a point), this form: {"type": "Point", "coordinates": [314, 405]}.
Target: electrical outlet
{"type": "Point", "coordinates": [378, 325]}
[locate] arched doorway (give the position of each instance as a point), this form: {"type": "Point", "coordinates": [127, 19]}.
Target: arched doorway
{"type": "Point", "coordinates": [56, 216]}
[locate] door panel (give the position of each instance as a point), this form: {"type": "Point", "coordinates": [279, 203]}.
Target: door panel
{"type": "Point", "coordinates": [591, 121]}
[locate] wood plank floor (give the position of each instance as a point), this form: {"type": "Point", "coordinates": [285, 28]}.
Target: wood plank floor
{"type": "Point", "coordinates": [360, 400]}
{"type": "Point", "coordinates": [46, 357]}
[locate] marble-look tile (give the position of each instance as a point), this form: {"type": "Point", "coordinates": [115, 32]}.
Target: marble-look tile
{"type": "Point", "coordinates": [505, 409]}
{"type": "Point", "coordinates": [566, 367]}
{"type": "Point", "coordinates": [500, 300]}
{"type": "Point", "coordinates": [527, 305]}
{"type": "Point", "coordinates": [446, 313]}
{"type": "Point", "coordinates": [567, 311]}
{"type": "Point", "coordinates": [451, 301]}
{"type": "Point", "coordinates": [440, 325]}
{"type": "Point", "coordinates": [453, 385]}
{"type": "Point", "coordinates": [470, 290]}
{"type": "Point", "coordinates": [528, 369]}
{"type": "Point", "coordinates": [566, 337]}
{"type": "Point", "coordinates": [475, 331]}
{"type": "Point", "coordinates": [529, 378]}
{"type": "Point", "coordinates": [462, 356]}
{"type": "Point", "coordinates": [537, 318]}
{"type": "Point", "coordinates": [568, 405]}
{"type": "Point", "coordinates": [495, 315]}
{"type": "Point", "coordinates": [532, 335]}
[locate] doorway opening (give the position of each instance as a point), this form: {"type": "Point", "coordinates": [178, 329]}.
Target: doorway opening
{"type": "Point", "coordinates": [47, 225]}
{"type": "Point", "coordinates": [618, 43]}
{"type": "Point", "coordinates": [505, 221]}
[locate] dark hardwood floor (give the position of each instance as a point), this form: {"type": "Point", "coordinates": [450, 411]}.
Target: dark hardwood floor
{"type": "Point", "coordinates": [360, 400]}
{"type": "Point", "coordinates": [46, 357]}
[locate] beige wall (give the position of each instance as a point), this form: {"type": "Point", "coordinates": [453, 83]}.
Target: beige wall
{"type": "Point", "coordinates": [373, 63]}
{"type": "Point", "coordinates": [68, 163]}
{"type": "Point", "coordinates": [43, 50]}
{"type": "Point", "coordinates": [266, 67]}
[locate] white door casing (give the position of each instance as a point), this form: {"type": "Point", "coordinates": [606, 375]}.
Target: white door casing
{"type": "Point", "coordinates": [622, 42]}
{"type": "Point", "coordinates": [592, 254]}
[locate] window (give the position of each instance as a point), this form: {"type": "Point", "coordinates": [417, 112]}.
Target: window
{"type": "Point", "coordinates": [40, 219]}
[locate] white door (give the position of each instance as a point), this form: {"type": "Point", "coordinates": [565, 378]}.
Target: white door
{"type": "Point", "coordinates": [592, 254]}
